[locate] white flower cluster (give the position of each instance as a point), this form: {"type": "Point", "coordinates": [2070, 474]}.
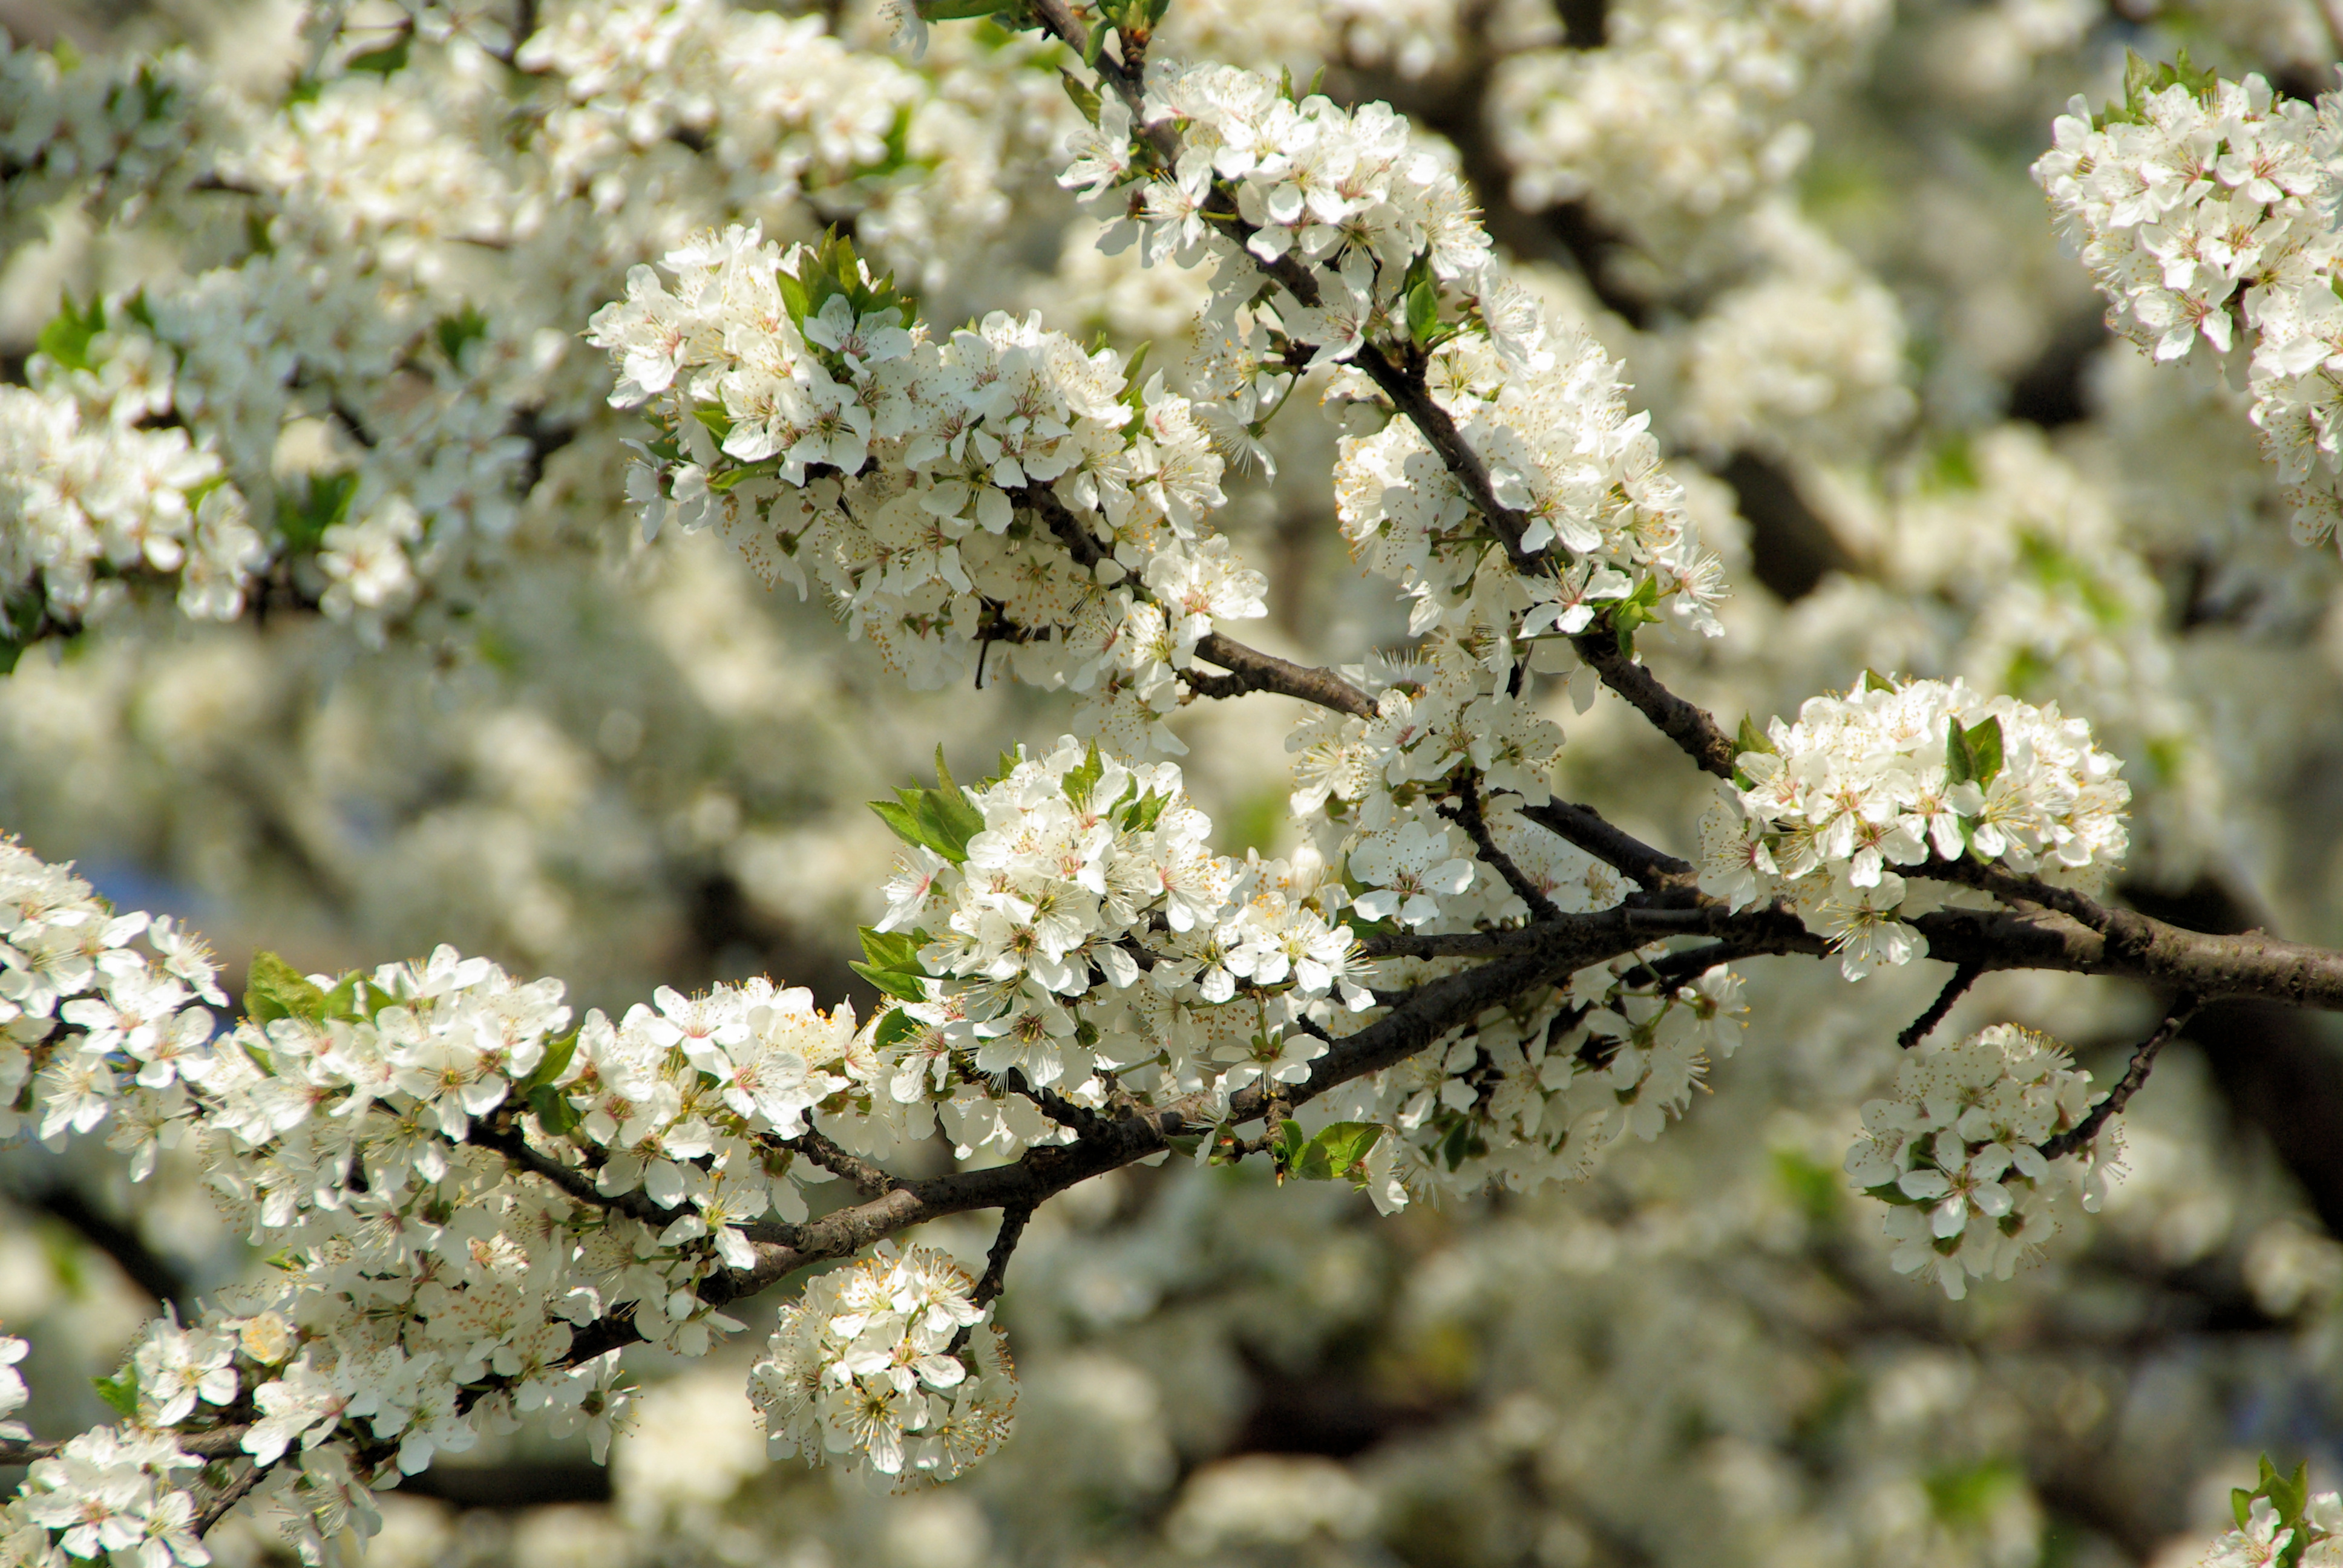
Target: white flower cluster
{"type": "Point", "coordinates": [128, 991]}
{"type": "Point", "coordinates": [1564, 452]}
{"type": "Point", "coordinates": [110, 129]}
{"type": "Point", "coordinates": [1899, 775]}
{"type": "Point", "coordinates": [2264, 1537]}
{"type": "Point", "coordinates": [1093, 944]}
{"type": "Point", "coordinates": [810, 415]}
{"type": "Point", "coordinates": [85, 503]}
{"type": "Point", "coordinates": [2206, 212]}
{"type": "Point", "coordinates": [1540, 1092]}
{"type": "Point", "coordinates": [113, 1492]}
{"type": "Point", "coordinates": [459, 1187]}
{"type": "Point", "coordinates": [358, 310]}
{"type": "Point", "coordinates": [1957, 1154]}
{"type": "Point", "coordinates": [1685, 110]}
{"type": "Point", "coordinates": [1384, 231]}
{"type": "Point", "coordinates": [893, 1362]}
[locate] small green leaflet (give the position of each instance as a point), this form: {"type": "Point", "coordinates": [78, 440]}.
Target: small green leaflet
{"type": "Point", "coordinates": [1085, 99]}
{"type": "Point", "coordinates": [554, 1111]}
{"type": "Point", "coordinates": [466, 325]}
{"type": "Point", "coordinates": [1750, 739]}
{"type": "Point", "coordinates": [273, 989]}
{"type": "Point", "coordinates": [2143, 79]}
{"type": "Point", "coordinates": [893, 963]}
{"type": "Point", "coordinates": [1081, 778]}
{"type": "Point", "coordinates": [1334, 1154]}
{"type": "Point", "coordinates": [356, 1000]}
{"type": "Point", "coordinates": [1144, 812]}
{"type": "Point", "coordinates": [2289, 1498]}
{"type": "Point", "coordinates": [120, 1392]}
{"type": "Point", "coordinates": [832, 270]}
{"type": "Point", "coordinates": [1638, 609]}
{"type": "Point", "coordinates": [551, 1065]}
{"type": "Point", "coordinates": [893, 1027]}
{"type": "Point", "coordinates": [306, 510]}
{"type": "Point", "coordinates": [940, 818]}
{"type": "Point", "coordinates": [1973, 756]}
{"type": "Point", "coordinates": [67, 337]}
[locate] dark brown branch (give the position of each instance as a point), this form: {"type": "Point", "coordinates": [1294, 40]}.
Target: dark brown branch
{"type": "Point", "coordinates": [2143, 1058]}
{"type": "Point", "coordinates": [1686, 723]}
{"type": "Point", "coordinates": [1622, 851]}
{"type": "Point", "coordinates": [505, 1137]}
{"type": "Point", "coordinates": [1250, 669]}
{"type": "Point", "coordinates": [1466, 814]}
{"type": "Point", "coordinates": [996, 1261]}
{"type": "Point", "coordinates": [1918, 1029]}
{"type": "Point", "coordinates": [2012, 887]}
{"type": "Point", "coordinates": [868, 1179]}
{"type": "Point", "coordinates": [234, 1494]}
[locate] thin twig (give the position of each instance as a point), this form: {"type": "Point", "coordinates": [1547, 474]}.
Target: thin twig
{"type": "Point", "coordinates": [1963, 977]}
{"type": "Point", "coordinates": [1622, 851]}
{"type": "Point", "coordinates": [1004, 1243]}
{"type": "Point", "coordinates": [2143, 1058]}
{"type": "Point", "coordinates": [236, 1493]}
{"type": "Point", "coordinates": [869, 1180]}
{"type": "Point", "coordinates": [507, 1140]}
{"type": "Point", "coordinates": [1466, 814]}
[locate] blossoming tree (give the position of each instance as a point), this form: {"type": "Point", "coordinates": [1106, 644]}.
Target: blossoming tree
{"type": "Point", "coordinates": [357, 401]}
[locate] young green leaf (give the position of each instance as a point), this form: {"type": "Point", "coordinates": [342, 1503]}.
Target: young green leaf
{"type": "Point", "coordinates": [273, 989]}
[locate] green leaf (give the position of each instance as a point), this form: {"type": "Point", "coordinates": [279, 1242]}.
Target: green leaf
{"type": "Point", "coordinates": [1983, 742]}
{"type": "Point", "coordinates": [1144, 812]}
{"type": "Point", "coordinates": [344, 1002]}
{"type": "Point", "coordinates": [1083, 777]}
{"type": "Point", "coordinates": [1973, 756]}
{"type": "Point", "coordinates": [550, 1066]}
{"type": "Point", "coordinates": [893, 1027]}
{"type": "Point", "coordinates": [273, 989]}
{"type": "Point", "coordinates": [553, 1109]}
{"type": "Point", "coordinates": [941, 819]}
{"type": "Point", "coordinates": [2241, 1503]}
{"type": "Point", "coordinates": [1422, 312]}
{"type": "Point", "coordinates": [1752, 738]}
{"type": "Point", "coordinates": [893, 963]}
{"type": "Point", "coordinates": [1085, 99]}
{"type": "Point", "coordinates": [382, 62]}
{"type": "Point", "coordinates": [120, 1392]}
{"type": "Point", "coordinates": [67, 337]}
{"type": "Point", "coordinates": [466, 325]}
{"type": "Point", "coordinates": [320, 501]}
{"type": "Point", "coordinates": [1336, 1153]}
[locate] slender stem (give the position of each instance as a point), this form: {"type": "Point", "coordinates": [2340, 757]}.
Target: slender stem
{"type": "Point", "coordinates": [1004, 1243]}
{"type": "Point", "coordinates": [1622, 851]}
{"type": "Point", "coordinates": [235, 1492]}
{"type": "Point", "coordinates": [1963, 977]}
{"type": "Point", "coordinates": [869, 1180]}
{"type": "Point", "coordinates": [1466, 814]}
{"type": "Point", "coordinates": [2143, 1058]}
{"type": "Point", "coordinates": [1689, 725]}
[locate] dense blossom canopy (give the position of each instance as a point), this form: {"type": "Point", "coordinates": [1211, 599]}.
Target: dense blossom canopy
{"type": "Point", "coordinates": [416, 399]}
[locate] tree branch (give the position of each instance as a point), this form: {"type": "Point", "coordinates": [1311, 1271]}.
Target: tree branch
{"type": "Point", "coordinates": [1466, 814]}
{"type": "Point", "coordinates": [2143, 1058]}
{"type": "Point", "coordinates": [1622, 851]}
{"type": "Point", "coordinates": [1963, 977]}
{"type": "Point", "coordinates": [1250, 669]}
{"type": "Point", "coordinates": [1687, 724]}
